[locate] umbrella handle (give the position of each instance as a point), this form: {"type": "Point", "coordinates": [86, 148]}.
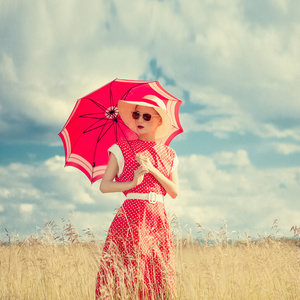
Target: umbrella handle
{"type": "Point", "coordinates": [128, 142]}
{"type": "Point", "coordinates": [131, 147]}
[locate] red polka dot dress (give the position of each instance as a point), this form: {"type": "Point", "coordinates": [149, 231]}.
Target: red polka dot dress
{"type": "Point", "coordinates": [138, 255]}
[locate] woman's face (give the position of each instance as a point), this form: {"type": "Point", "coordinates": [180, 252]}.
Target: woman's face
{"type": "Point", "coordinates": [147, 127]}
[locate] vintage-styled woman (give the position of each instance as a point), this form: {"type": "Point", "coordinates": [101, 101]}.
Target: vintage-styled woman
{"type": "Point", "coordinates": [138, 255]}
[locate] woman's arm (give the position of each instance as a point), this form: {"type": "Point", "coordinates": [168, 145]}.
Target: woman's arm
{"type": "Point", "coordinates": [108, 185]}
{"type": "Point", "coordinates": [170, 185]}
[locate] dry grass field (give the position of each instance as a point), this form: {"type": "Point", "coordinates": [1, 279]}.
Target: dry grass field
{"type": "Point", "coordinates": [62, 265]}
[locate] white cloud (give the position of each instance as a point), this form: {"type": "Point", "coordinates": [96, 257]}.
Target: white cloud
{"type": "Point", "coordinates": [26, 208]}
{"type": "Point", "coordinates": [256, 66]}
{"type": "Point", "coordinates": [246, 197]}
{"type": "Point", "coordinates": [4, 192]}
{"type": "Point", "coordinates": [33, 194]}
{"type": "Point", "coordinates": [286, 148]}
{"type": "Point", "coordinates": [7, 69]}
{"type": "Point", "coordinates": [221, 115]}
{"type": "Point", "coordinates": [240, 158]}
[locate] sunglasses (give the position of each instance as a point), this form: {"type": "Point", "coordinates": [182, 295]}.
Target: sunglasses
{"type": "Point", "coordinates": [147, 117]}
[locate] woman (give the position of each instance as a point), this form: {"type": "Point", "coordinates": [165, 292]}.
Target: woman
{"type": "Point", "coordinates": [138, 255]}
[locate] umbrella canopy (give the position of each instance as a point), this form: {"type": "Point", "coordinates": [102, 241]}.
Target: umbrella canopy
{"type": "Point", "coordinates": [95, 124]}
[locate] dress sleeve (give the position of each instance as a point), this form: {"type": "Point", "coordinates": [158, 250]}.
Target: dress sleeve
{"type": "Point", "coordinates": [115, 149]}
{"type": "Point", "coordinates": [175, 164]}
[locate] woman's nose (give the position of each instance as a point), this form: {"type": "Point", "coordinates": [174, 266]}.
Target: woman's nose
{"type": "Point", "coordinates": [141, 119]}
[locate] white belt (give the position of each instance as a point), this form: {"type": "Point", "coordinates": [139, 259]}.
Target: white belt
{"type": "Point", "coordinates": [151, 197]}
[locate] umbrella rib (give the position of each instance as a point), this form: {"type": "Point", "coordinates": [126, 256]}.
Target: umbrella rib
{"type": "Point", "coordinates": [89, 116]}
{"type": "Point", "coordinates": [96, 103]}
{"type": "Point", "coordinates": [85, 115]}
{"type": "Point", "coordinates": [88, 128]}
{"type": "Point", "coordinates": [102, 135]}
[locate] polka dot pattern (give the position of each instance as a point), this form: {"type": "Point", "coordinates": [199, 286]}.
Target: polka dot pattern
{"type": "Point", "coordinates": [139, 236]}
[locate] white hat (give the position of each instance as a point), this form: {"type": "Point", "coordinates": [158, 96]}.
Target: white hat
{"type": "Point", "coordinates": [127, 107]}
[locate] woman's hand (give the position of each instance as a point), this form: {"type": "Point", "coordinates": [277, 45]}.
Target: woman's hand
{"type": "Point", "coordinates": [169, 184]}
{"type": "Point", "coordinates": [138, 175]}
{"type": "Point", "coordinates": [145, 162]}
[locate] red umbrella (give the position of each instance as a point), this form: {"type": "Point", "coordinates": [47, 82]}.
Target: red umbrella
{"type": "Point", "coordinates": [95, 124]}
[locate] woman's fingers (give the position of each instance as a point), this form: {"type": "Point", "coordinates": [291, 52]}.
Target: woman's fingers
{"type": "Point", "coordinates": [144, 162]}
{"type": "Point", "coordinates": [141, 170]}
{"type": "Point", "coordinates": [139, 175]}
{"type": "Point", "coordinates": [141, 159]}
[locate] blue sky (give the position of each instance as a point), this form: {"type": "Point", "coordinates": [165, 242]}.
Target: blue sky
{"type": "Point", "coordinates": [234, 63]}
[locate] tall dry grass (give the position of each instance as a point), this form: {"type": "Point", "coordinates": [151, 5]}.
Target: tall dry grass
{"type": "Point", "coordinates": [59, 264]}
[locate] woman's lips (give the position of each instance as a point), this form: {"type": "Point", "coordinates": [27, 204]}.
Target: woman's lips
{"type": "Point", "coordinates": [140, 127]}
